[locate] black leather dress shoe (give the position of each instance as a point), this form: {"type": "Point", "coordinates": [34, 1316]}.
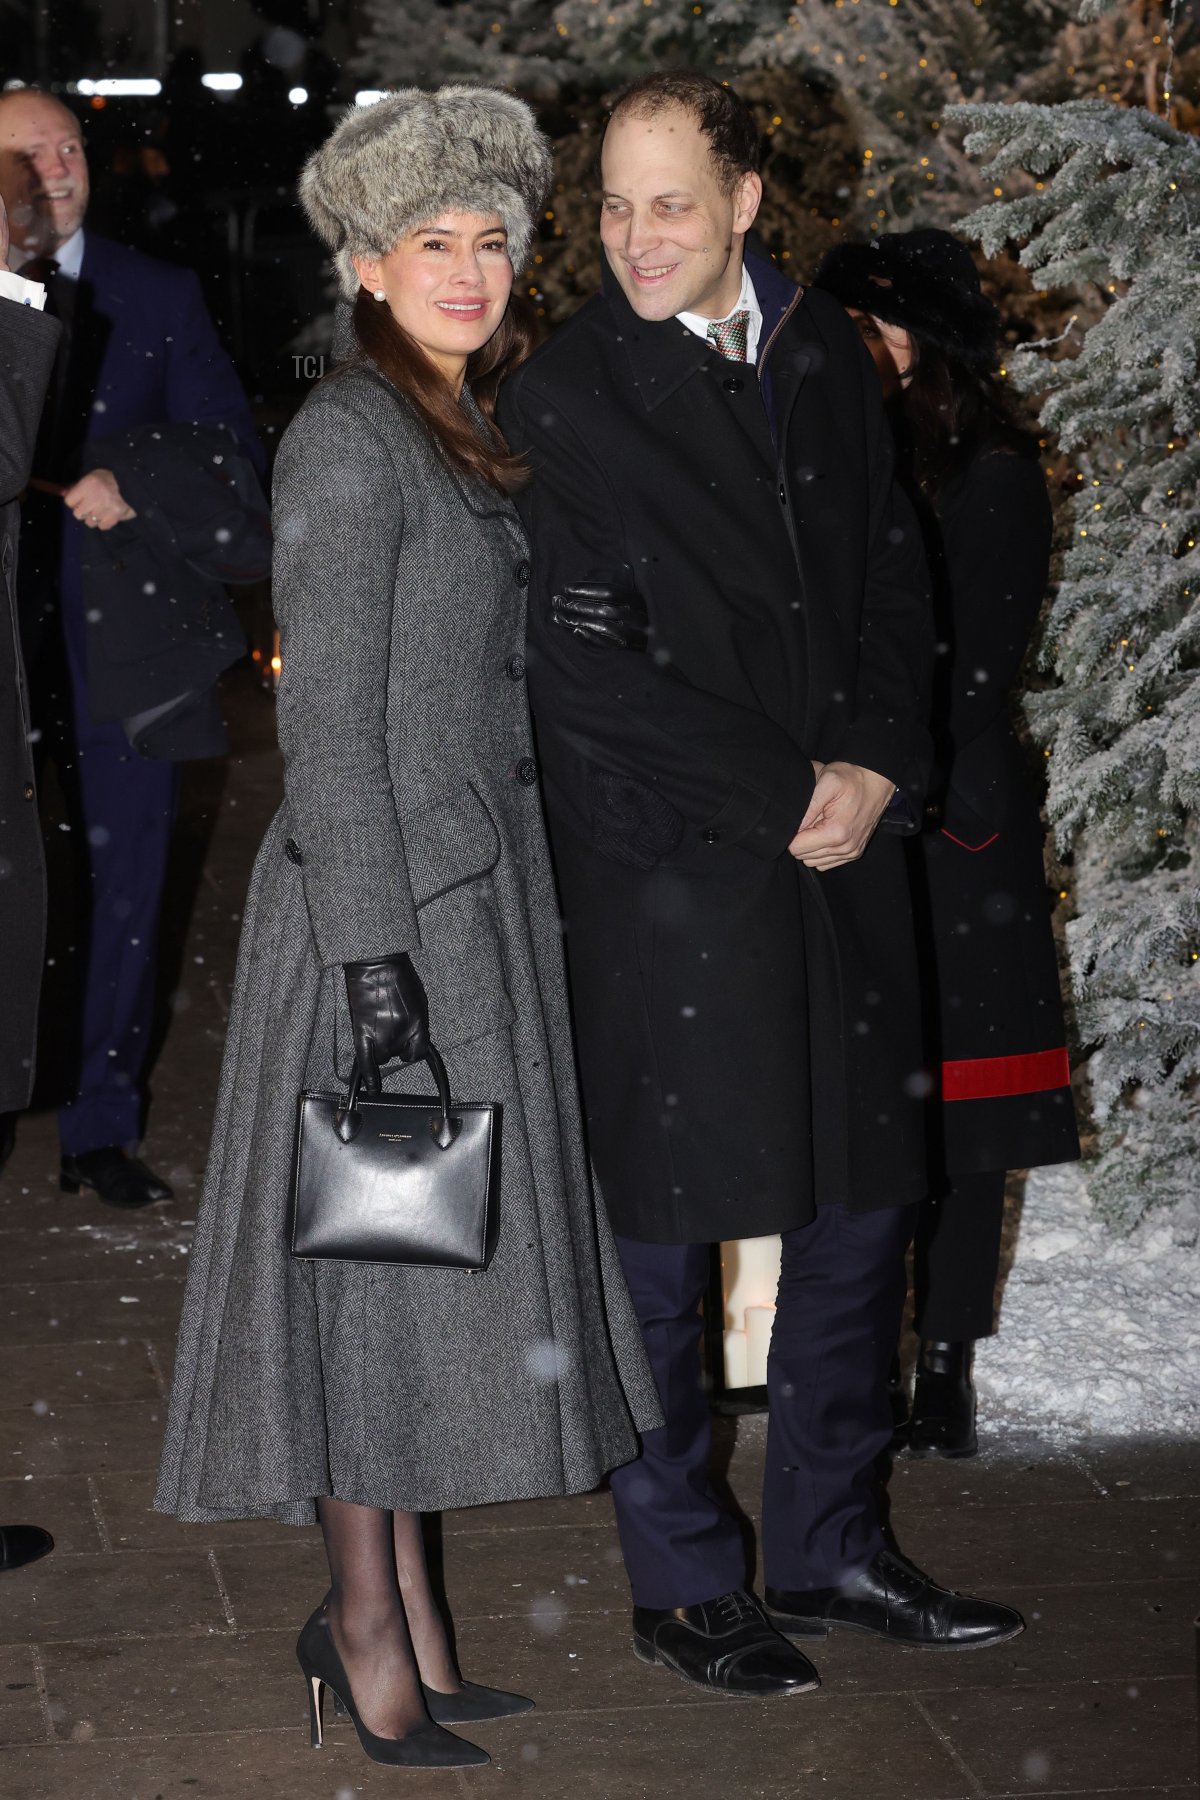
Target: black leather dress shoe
{"type": "Point", "coordinates": [892, 1599]}
{"type": "Point", "coordinates": [943, 1409]}
{"type": "Point", "coordinates": [117, 1178]}
{"type": "Point", "coordinates": [21, 1544]}
{"type": "Point", "coordinates": [727, 1646]}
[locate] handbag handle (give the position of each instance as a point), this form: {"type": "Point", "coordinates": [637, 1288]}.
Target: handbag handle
{"type": "Point", "coordinates": [347, 1120]}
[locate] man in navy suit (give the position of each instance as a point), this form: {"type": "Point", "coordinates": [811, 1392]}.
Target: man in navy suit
{"type": "Point", "coordinates": [138, 349]}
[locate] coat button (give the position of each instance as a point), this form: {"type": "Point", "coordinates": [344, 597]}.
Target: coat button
{"type": "Point", "coordinates": [710, 836]}
{"type": "Point", "coordinates": [733, 384]}
{"type": "Point", "coordinates": [527, 771]}
{"type": "Point", "coordinates": [782, 495]}
{"type": "Point", "coordinates": [515, 668]}
{"type": "Point", "coordinates": [28, 790]}
{"type": "Point", "coordinates": [521, 574]}
{"type": "Point", "coordinates": [291, 850]}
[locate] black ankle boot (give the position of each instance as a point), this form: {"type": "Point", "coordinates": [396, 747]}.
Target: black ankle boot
{"type": "Point", "coordinates": [943, 1407]}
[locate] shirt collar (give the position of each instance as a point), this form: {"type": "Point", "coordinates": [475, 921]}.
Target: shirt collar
{"type": "Point", "coordinates": [747, 301]}
{"type": "Point", "coordinates": [69, 256]}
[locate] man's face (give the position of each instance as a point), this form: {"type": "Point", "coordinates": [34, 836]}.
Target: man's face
{"type": "Point", "coordinates": [672, 237]}
{"type": "Point", "coordinates": [43, 171]}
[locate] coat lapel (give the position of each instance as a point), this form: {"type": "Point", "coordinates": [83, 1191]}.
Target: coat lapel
{"type": "Point", "coordinates": [661, 354]}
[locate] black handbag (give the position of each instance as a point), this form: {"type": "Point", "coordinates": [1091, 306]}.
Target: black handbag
{"type": "Point", "coordinates": [396, 1178]}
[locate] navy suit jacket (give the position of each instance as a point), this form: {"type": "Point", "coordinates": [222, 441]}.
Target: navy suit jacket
{"type": "Point", "coordinates": [143, 351]}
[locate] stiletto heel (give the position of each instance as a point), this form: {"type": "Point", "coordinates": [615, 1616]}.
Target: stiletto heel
{"type": "Point", "coordinates": [428, 1747]}
{"type": "Point", "coordinates": [316, 1695]}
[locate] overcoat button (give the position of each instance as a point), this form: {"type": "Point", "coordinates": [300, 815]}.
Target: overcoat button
{"type": "Point", "coordinates": [733, 384]}
{"type": "Point", "coordinates": [29, 790]}
{"type": "Point", "coordinates": [527, 771]}
{"type": "Point", "coordinates": [782, 495]}
{"type": "Point", "coordinates": [516, 668]}
{"type": "Point", "coordinates": [710, 836]}
{"type": "Point", "coordinates": [291, 850]}
{"type": "Point", "coordinates": [521, 574]}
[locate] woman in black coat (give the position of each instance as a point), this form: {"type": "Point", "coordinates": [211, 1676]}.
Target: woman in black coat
{"type": "Point", "coordinates": [1002, 1097]}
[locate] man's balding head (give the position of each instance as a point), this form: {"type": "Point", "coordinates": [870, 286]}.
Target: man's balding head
{"type": "Point", "coordinates": [43, 170]}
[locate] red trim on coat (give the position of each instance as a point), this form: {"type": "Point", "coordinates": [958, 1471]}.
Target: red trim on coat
{"type": "Point", "coordinates": [996, 1077]}
{"type": "Point", "coordinates": [973, 848]}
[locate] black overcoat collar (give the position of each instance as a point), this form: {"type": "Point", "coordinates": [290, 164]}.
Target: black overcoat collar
{"type": "Point", "coordinates": [663, 354]}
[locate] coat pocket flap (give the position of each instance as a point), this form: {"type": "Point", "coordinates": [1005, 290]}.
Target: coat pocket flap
{"type": "Point", "coordinates": [448, 844]}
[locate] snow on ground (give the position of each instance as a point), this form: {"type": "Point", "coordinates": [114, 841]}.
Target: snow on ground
{"type": "Point", "coordinates": [1099, 1334]}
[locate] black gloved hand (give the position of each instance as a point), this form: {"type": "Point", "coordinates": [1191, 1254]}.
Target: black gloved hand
{"type": "Point", "coordinates": [604, 612]}
{"type": "Point", "coordinates": [389, 1015]}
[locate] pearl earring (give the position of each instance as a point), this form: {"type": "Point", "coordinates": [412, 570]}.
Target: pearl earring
{"type": "Point", "coordinates": [379, 294]}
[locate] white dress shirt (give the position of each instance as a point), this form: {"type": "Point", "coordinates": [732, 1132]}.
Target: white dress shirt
{"type": "Point", "coordinates": [25, 293]}
{"type": "Point", "coordinates": [69, 256]}
{"type": "Point", "coordinates": [747, 301]}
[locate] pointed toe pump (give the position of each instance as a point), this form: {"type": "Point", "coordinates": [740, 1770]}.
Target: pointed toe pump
{"type": "Point", "coordinates": [428, 1747]}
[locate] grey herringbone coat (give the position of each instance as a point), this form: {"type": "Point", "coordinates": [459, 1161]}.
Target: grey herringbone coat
{"type": "Point", "coordinates": [412, 822]}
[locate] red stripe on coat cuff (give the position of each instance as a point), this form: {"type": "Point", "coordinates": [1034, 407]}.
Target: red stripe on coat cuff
{"type": "Point", "coordinates": [994, 1077]}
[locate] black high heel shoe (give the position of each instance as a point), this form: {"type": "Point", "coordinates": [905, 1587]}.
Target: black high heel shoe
{"type": "Point", "coordinates": [428, 1747]}
{"type": "Point", "coordinates": [470, 1706]}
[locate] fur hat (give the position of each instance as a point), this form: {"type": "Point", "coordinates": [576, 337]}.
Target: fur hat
{"type": "Point", "coordinates": [924, 280]}
{"type": "Point", "coordinates": [393, 166]}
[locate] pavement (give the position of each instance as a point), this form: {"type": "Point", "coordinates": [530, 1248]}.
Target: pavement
{"type": "Point", "coordinates": [147, 1660]}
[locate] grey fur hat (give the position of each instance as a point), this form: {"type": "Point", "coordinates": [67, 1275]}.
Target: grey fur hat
{"type": "Point", "coordinates": [394, 165]}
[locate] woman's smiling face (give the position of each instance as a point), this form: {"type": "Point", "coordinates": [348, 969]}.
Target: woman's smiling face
{"type": "Point", "coordinates": [447, 285]}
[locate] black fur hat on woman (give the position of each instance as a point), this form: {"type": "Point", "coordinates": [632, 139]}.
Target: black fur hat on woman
{"type": "Point", "coordinates": [393, 166]}
{"type": "Point", "coordinates": [924, 280]}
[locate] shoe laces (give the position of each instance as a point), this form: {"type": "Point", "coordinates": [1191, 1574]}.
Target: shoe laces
{"type": "Point", "coordinates": [737, 1608]}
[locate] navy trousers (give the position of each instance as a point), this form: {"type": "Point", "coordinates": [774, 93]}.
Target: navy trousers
{"type": "Point", "coordinates": [125, 805]}
{"type": "Point", "coordinates": [841, 1296]}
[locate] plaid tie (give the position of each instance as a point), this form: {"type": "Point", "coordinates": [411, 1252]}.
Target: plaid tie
{"type": "Point", "coordinates": [730, 337]}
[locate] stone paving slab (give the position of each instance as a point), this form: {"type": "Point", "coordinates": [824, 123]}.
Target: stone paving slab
{"type": "Point", "coordinates": [87, 1374]}
{"type": "Point", "coordinates": [1106, 1735]}
{"type": "Point", "coordinates": [64, 1506]}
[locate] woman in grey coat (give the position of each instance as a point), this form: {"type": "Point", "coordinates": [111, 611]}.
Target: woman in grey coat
{"type": "Point", "coordinates": [403, 893]}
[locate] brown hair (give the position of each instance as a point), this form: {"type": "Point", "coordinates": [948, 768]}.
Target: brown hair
{"type": "Point", "coordinates": [950, 412]}
{"type": "Point", "coordinates": [410, 371]}
{"type": "Point", "coordinates": [726, 120]}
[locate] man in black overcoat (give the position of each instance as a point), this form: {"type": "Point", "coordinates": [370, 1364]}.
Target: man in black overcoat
{"type": "Point", "coordinates": [28, 341]}
{"type": "Point", "coordinates": [730, 647]}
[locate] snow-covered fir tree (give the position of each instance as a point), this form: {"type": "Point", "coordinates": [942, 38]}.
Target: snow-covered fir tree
{"type": "Point", "coordinates": [1114, 207]}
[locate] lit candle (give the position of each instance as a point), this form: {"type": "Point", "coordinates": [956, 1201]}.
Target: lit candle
{"type": "Point", "coordinates": [735, 1360]}
{"type": "Point", "coordinates": [749, 1275]}
{"type": "Point", "coordinates": [759, 1320]}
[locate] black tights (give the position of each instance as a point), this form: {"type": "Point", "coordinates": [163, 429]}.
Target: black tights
{"type": "Point", "coordinates": [956, 1258]}
{"type": "Point", "coordinates": [383, 1615]}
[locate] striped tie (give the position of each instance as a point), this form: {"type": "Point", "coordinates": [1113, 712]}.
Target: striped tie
{"type": "Point", "coordinates": [730, 337]}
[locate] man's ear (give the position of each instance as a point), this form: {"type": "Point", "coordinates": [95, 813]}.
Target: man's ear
{"type": "Point", "coordinates": [747, 199]}
{"type": "Point", "coordinates": [369, 272]}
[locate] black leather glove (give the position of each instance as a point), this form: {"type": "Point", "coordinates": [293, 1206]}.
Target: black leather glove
{"type": "Point", "coordinates": [604, 612]}
{"type": "Point", "coordinates": [389, 1015]}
